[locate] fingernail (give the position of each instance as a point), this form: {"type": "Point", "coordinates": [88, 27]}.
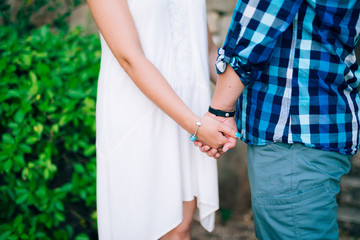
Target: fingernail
{"type": "Point", "coordinates": [238, 135]}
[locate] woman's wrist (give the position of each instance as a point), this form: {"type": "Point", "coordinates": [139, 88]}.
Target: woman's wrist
{"type": "Point", "coordinates": [190, 123]}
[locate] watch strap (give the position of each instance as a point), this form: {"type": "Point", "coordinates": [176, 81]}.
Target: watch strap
{"type": "Point", "coordinates": [221, 113]}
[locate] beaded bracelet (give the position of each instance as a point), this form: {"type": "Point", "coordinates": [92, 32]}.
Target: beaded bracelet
{"type": "Point", "coordinates": [194, 137]}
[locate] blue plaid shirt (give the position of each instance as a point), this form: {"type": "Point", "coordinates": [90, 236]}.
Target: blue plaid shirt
{"type": "Point", "coordinates": [297, 61]}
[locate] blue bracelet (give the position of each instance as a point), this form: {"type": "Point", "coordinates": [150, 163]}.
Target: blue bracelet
{"type": "Point", "coordinates": [194, 137]}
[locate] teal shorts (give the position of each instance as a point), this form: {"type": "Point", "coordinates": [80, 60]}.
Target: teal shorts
{"type": "Point", "coordinates": [293, 191]}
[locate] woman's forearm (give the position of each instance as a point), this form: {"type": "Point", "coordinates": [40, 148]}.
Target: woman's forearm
{"type": "Point", "coordinates": [152, 83]}
{"type": "Point", "coordinates": [116, 24]}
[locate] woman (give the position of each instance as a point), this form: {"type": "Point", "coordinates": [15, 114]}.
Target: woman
{"type": "Point", "coordinates": [154, 64]}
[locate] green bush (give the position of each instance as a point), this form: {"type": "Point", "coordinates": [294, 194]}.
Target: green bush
{"type": "Point", "coordinates": [47, 127]}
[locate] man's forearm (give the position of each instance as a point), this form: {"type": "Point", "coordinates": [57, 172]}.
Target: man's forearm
{"type": "Point", "coordinates": [228, 89]}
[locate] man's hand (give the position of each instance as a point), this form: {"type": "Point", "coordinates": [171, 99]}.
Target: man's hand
{"type": "Point", "coordinates": [231, 140]}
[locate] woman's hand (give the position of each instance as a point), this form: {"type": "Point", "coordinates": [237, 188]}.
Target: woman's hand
{"type": "Point", "coordinates": [227, 91]}
{"type": "Point", "coordinates": [216, 135]}
{"type": "Point", "coordinates": [231, 139]}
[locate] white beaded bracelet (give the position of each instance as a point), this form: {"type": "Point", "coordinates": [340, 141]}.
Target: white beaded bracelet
{"type": "Point", "coordinates": [194, 137]}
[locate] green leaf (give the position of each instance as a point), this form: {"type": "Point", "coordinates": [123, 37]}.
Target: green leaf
{"type": "Point", "coordinates": [64, 119]}
{"type": "Point", "coordinates": [41, 192]}
{"type": "Point", "coordinates": [79, 168]}
{"type": "Point", "coordinates": [59, 205]}
{"type": "Point", "coordinates": [39, 128]}
{"type": "Point", "coordinates": [90, 150]}
{"type": "Point", "coordinates": [8, 165]}
{"type": "Point", "coordinates": [25, 60]}
{"type": "Point", "coordinates": [5, 235]}
{"type": "Point", "coordinates": [60, 217]}
{"type": "Point", "coordinates": [7, 138]}
{"type": "Point", "coordinates": [55, 128]}
{"type": "Point", "coordinates": [3, 157]}
{"type": "Point", "coordinates": [24, 236]}
{"type": "Point", "coordinates": [25, 148]}
{"type": "Point", "coordinates": [19, 116]}
{"type": "Point", "coordinates": [67, 187]}
{"type": "Point", "coordinates": [25, 174]}
{"type": "Point", "coordinates": [34, 85]}
{"type": "Point", "coordinates": [42, 68]}
{"type": "Point", "coordinates": [40, 235]}
{"type": "Point", "coordinates": [94, 215]}
{"type": "Point", "coordinates": [13, 93]}
{"type": "Point", "coordinates": [51, 108]}
{"type": "Point", "coordinates": [226, 214]}
{"type": "Point", "coordinates": [13, 125]}
{"type": "Point", "coordinates": [46, 174]}
{"type": "Point", "coordinates": [21, 198]}
{"type": "Point", "coordinates": [18, 220]}
{"type": "Point", "coordinates": [3, 64]}
{"type": "Point", "coordinates": [76, 94]}
{"type": "Point", "coordinates": [31, 140]}
{"type": "Point", "coordinates": [19, 160]}
{"type": "Point", "coordinates": [82, 236]}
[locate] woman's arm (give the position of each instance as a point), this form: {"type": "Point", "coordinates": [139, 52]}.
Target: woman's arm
{"type": "Point", "coordinates": [116, 24]}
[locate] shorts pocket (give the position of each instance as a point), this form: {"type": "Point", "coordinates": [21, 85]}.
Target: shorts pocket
{"type": "Point", "coordinates": [291, 197]}
{"type": "Point", "coordinates": [307, 214]}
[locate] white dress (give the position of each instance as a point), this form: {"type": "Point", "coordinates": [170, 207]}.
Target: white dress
{"type": "Point", "coordinates": [146, 164]}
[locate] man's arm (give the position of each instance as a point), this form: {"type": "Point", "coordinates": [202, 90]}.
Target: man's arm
{"type": "Point", "coordinates": [227, 91]}
{"type": "Point", "coordinates": [254, 30]}
{"type": "Point", "coordinates": [255, 27]}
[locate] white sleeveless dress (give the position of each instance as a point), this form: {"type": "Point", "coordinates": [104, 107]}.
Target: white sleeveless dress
{"type": "Point", "coordinates": [146, 164]}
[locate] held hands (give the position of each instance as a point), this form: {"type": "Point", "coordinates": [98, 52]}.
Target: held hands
{"type": "Point", "coordinates": [216, 135]}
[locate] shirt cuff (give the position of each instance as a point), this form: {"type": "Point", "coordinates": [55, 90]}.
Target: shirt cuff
{"type": "Point", "coordinates": [245, 72]}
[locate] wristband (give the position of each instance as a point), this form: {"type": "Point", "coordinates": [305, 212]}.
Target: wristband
{"type": "Point", "coordinates": [220, 113]}
{"type": "Point", "coordinates": [194, 137]}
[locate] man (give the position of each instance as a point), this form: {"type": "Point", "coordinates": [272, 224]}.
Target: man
{"type": "Point", "coordinates": [289, 69]}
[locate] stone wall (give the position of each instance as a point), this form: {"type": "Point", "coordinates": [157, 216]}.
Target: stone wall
{"type": "Point", "coordinates": [219, 15]}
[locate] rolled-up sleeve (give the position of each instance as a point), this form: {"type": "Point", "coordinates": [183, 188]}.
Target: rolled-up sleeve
{"type": "Point", "coordinates": [255, 27]}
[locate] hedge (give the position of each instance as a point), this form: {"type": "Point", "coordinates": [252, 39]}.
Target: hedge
{"type": "Point", "coordinates": [47, 127]}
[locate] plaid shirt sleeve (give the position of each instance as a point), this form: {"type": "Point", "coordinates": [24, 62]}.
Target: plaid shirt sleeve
{"type": "Point", "coordinates": [254, 30]}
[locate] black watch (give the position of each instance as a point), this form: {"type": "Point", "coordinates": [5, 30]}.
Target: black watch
{"type": "Point", "coordinates": [221, 113]}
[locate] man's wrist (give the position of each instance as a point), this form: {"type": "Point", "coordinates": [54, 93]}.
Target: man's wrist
{"type": "Point", "coordinates": [221, 106]}
{"type": "Point", "coordinates": [221, 113]}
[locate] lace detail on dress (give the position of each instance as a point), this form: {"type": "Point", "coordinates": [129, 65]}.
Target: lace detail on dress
{"type": "Point", "coordinates": [180, 34]}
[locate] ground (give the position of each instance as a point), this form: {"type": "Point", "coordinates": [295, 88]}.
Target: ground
{"type": "Point", "coordinates": [239, 227]}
